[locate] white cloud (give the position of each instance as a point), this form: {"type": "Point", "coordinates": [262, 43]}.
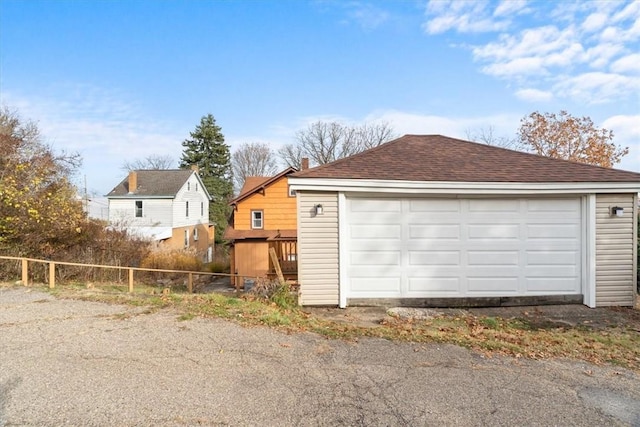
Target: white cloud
{"type": "Point", "coordinates": [627, 64]}
{"type": "Point", "coordinates": [415, 123]}
{"type": "Point", "coordinates": [534, 95]}
{"type": "Point", "coordinates": [463, 17]}
{"type": "Point", "coordinates": [549, 45]}
{"type": "Point", "coordinates": [597, 87]}
{"type": "Point", "coordinates": [594, 22]}
{"type": "Point", "coordinates": [509, 7]}
{"type": "Point", "coordinates": [367, 15]}
{"type": "Point", "coordinates": [104, 127]}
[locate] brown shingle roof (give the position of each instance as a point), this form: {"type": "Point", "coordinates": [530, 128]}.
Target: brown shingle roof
{"type": "Point", "coordinates": [440, 158]}
{"type": "Point", "coordinates": [254, 183]}
{"type": "Point", "coordinates": [165, 182]}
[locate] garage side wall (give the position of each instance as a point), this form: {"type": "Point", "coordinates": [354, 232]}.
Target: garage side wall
{"type": "Point", "coordinates": [318, 264]}
{"type": "Point", "coordinates": [615, 250]}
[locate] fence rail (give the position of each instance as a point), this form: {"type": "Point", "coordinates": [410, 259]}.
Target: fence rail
{"type": "Point", "coordinates": [52, 271]}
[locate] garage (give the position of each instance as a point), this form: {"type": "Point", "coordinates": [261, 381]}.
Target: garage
{"type": "Point", "coordinates": [426, 247]}
{"type": "Point", "coordinates": [429, 220]}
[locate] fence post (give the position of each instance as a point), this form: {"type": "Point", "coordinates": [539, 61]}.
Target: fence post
{"type": "Point", "coordinates": [190, 283]}
{"type": "Point", "coordinates": [52, 275]}
{"type": "Point", "coordinates": [25, 272]}
{"type": "Point", "coordinates": [131, 280]}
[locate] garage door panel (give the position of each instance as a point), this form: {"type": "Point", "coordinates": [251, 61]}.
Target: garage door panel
{"type": "Point", "coordinates": [375, 257]}
{"type": "Point", "coordinates": [484, 285]}
{"type": "Point", "coordinates": [385, 286]}
{"type": "Point", "coordinates": [556, 207]}
{"type": "Point", "coordinates": [374, 205]}
{"type": "Point", "coordinates": [449, 206]}
{"type": "Point", "coordinates": [547, 285]}
{"type": "Point", "coordinates": [494, 231]}
{"type": "Point", "coordinates": [552, 257]}
{"type": "Point", "coordinates": [492, 271]}
{"type": "Point", "coordinates": [551, 271]}
{"type": "Point", "coordinates": [553, 231]}
{"type": "Point", "coordinates": [435, 257]}
{"type": "Point", "coordinates": [494, 206]}
{"type": "Point", "coordinates": [463, 247]}
{"type": "Point", "coordinates": [376, 232]}
{"type": "Point", "coordinates": [435, 231]}
{"type": "Point", "coordinates": [489, 257]}
{"type": "Point", "coordinates": [434, 285]}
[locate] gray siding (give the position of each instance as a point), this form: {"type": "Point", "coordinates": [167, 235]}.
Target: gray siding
{"type": "Point", "coordinates": [615, 250]}
{"type": "Point", "coordinates": [318, 262]}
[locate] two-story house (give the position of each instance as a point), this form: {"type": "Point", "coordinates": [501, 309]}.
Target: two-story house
{"type": "Point", "coordinates": [264, 216]}
{"type": "Point", "coordinates": [169, 206]}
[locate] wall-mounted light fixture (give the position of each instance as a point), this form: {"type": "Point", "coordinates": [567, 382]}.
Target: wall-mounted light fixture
{"type": "Point", "coordinates": [617, 211]}
{"type": "Point", "coordinates": [318, 209]}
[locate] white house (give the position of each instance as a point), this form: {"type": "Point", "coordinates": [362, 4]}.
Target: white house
{"type": "Point", "coordinates": [170, 206]}
{"type": "Point", "coordinates": [432, 220]}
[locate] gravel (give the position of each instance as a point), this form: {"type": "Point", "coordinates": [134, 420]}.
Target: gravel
{"type": "Point", "coordinates": [75, 363]}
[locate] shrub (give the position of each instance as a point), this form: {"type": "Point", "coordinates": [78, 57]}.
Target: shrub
{"type": "Point", "coordinates": [172, 259]}
{"type": "Point", "coordinates": [275, 291]}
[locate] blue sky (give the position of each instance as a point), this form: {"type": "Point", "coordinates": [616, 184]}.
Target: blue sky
{"type": "Point", "coordinates": [122, 80]}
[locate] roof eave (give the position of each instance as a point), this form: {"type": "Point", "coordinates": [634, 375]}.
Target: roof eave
{"type": "Point", "coordinates": [448, 187]}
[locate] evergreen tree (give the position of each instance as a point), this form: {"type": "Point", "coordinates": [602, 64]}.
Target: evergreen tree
{"type": "Point", "coordinates": [207, 150]}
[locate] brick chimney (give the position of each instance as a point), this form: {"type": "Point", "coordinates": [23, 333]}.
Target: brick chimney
{"type": "Point", "coordinates": [195, 168]}
{"type": "Point", "coordinates": [133, 181]}
{"type": "Point", "coordinates": [304, 164]}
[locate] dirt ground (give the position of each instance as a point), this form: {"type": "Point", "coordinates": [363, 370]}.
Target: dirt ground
{"type": "Point", "coordinates": [538, 316]}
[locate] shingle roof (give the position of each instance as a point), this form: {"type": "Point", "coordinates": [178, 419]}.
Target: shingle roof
{"type": "Point", "coordinates": [441, 158]}
{"type": "Point", "coordinates": [254, 183]}
{"type": "Point", "coordinates": [154, 183]}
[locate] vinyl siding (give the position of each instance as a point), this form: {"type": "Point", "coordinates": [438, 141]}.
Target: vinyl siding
{"type": "Point", "coordinates": [155, 212]}
{"type": "Point", "coordinates": [195, 198]}
{"type": "Point", "coordinates": [615, 250]}
{"type": "Point", "coordinates": [278, 208]}
{"type": "Point", "coordinates": [318, 262]}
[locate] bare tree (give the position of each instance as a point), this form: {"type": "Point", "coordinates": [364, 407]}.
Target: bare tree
{"type": "Point", "coordinates": [325, 142]}
{"type": "Point", "coordinates": [152, 162]}
{"type": "Point", "coordinates": [252, 159]}
{"type": "Point", "coordinates": [291, 155]}
{"type": "Point", "coordinates": [563, 136]}
{"type": "Point", "coordinates": [487, 136]}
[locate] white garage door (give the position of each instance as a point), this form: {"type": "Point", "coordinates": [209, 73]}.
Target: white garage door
{"type": "Point", "coordinates": [462, 247]}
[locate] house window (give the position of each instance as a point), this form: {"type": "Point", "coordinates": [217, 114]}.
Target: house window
{"type": "Point", "coordinates": [196, 186]}
{"type": "Point", "coordinates": [187, 210]}
{"type": "Point", "coordinates": [138, 208]}
{"type": "Point", "coordinates": [186, 238]}
{"type": "Point", "coordinates": [188, 186]}
{"type": "Point", "coordinates": [195, 234]}
{"type": "Point", "coordinates": [256, 219]}
{"type": "Point", "coordinates": [292, 192]}
{"type": "Point", "coordinates": [201, 208]}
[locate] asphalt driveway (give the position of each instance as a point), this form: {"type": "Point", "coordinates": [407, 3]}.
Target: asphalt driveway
{"type": "Point", "coordinates": [65, 362]}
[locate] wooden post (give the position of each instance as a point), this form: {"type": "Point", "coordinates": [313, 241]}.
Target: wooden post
{"type": "Point", "coordinates": [190, 283]}
{"type": "Point", "coordinates": [131, 280]}
{"type": "Point", "coordinates": [25, 272]}
{"type": "Point", "coordinates": [276, 264]}
{"type": "Point", "coordinates": [52, 275]}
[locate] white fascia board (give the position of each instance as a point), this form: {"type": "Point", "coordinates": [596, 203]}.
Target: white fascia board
{"type": "Point", "coordinates": [139, 197]}
{"type": "Point", "coordinates": [448, 187]}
